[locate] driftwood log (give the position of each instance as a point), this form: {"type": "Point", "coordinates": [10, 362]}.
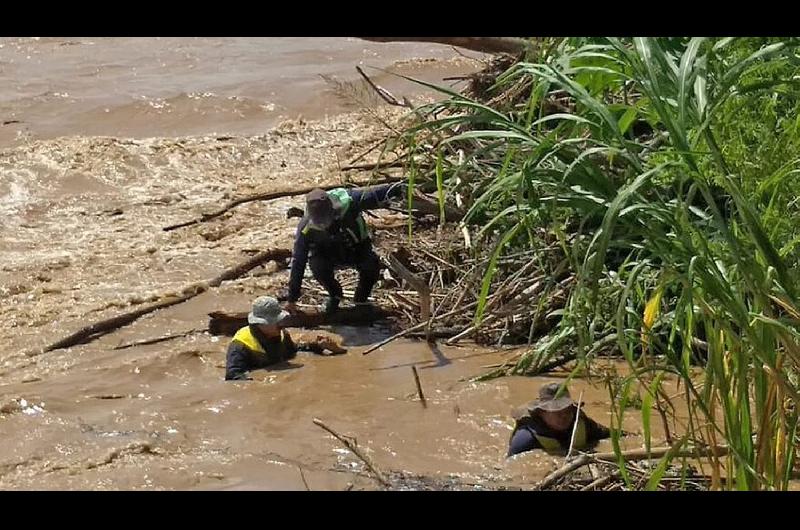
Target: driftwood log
{"type": "Point", "coordinates": [416, 283]}
{"type": "Point", "coordinates": [228, 323]}
{"type": "Point", "coordinates": [512, 45]}
{"type": "Point", "coordinates": [103, 327]}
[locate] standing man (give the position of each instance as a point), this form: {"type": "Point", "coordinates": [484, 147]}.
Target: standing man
{"type": "Point", "coordinates": [334, 235]}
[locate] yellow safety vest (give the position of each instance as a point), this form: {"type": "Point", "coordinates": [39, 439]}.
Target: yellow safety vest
{"type": "Point", "coordinates": [245, 336]}
{"type": "Point", "coordinates": [551, 444]}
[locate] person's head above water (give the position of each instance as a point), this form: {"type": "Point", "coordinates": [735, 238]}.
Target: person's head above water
{"type": "Point", "coordinates": [556, 410]}
{"type": "Point", "coordinates": [266, 314]}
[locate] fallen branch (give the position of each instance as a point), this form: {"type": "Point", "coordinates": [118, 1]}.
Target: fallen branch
{"type": "Point", "coordinates": [435, 333]}
{"type": "Point", "coordinates": [417, 327]}
{"type": "Point", "coordinates": [600, 481]}
{"type": "Point", "coordinates": [103, 327]}
{"type": "Point", "coordinates": [466, 331]}
{"type": "Point", "coordinates": [422, 288]}
{"type": "Point", "coordinates": [267, 196]}
{"type": "Point", "coordinates": [533, 290]}
{"type": "Point", "coordinates": [226, 323]}
{"type": "Point", "coordinates": [274, 254]}
{"type": "Point", "coordinates": [145, 342]}
{"type": "Point", "coordinates": [356, 451]}
{"type": "Point", "coordinates": [419, 386]}
{"type": "Point", "coordinates": [369, 150]}
{"type": "Point", "coordinates": [303, 476]}
{"type": "Point", "coordinates": [628, 456]}
{"type": "Point", "coordinates": [385, 95]}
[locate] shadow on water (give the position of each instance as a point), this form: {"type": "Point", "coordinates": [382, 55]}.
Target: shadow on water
{"type": "Point", "coordinates": [361, 335]}
{"type": "Point", "coordinates": [441, 360]}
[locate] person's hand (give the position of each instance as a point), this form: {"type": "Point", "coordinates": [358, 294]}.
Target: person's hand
{"type": "Point", "coordinates": [291, 308]}
{"type": "Point", "coordinates": [334, 348]}
{"type": "Point", "coordinates": [329, 344]}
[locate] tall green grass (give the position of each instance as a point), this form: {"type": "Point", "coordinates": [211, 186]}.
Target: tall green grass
{"type": "Point", "coordinates": [682, 235]}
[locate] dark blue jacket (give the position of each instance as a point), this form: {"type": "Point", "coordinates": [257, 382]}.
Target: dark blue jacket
{"type": "Point", "coordinates": [344, 239]}
{"type": "Point", "coordinates": [240, 359]}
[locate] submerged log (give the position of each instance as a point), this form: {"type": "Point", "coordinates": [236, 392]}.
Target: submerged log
{"type": "Point", "coordinates": [228, 323]}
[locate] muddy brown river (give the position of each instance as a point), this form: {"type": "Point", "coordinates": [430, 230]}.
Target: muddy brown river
{"type": "Point", "coordinates": [177, 86]}
{"type": "Point", "coordinates": [106, 141]}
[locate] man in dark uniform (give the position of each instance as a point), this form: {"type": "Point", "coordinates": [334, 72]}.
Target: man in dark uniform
{"type": "Point", "coordinates": [548, 423]}
{"type": "Point", "coordinates": [332, 235]}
